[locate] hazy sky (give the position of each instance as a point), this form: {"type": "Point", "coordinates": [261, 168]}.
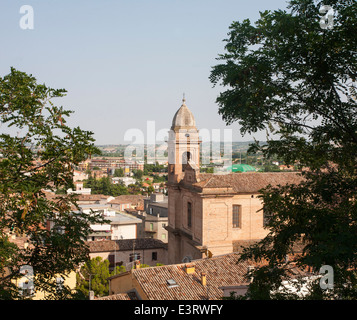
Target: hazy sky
{"type": "Point", "coordinates": [126, 62]}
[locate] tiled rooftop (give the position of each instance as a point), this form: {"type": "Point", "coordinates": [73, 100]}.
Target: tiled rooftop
{"type": "Point", "coordinates": [220, 271]}
{"type": "Point", "coordinates": [125, 244]}
{"type": "Point", "coordinates": [119, 296]}
{"type": "Point", "coordinates": [247, 182]}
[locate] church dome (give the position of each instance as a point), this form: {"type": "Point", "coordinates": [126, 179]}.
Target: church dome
{"type": "Point", "coordinates": [183, 118]}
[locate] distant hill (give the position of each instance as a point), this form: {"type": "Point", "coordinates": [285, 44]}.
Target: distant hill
{"type": "Point", "coordinates": [241, 146]}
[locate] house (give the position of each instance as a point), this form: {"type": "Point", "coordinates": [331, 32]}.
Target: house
{"type": "Point", "coordinates": [79, 175]}
{"type": "Point", "coordinates": [203, 279]}
{"type": "Point", "coordinates": [121, 225]}
{"type": "Point", "coordinates": [26, 286]}
{"type": "Point", "coordinates": [119, 204]}
{"type": "Point", "coordinates": [93, 199]}
{"type": "Point", "coordinates": [124, 180]}
{"type": "Point", "coordinates": [156, 218]}
{"type": "Point", "coordinates": [79, 189]}
{"type": "Point", "coordinates": [125, 252]}
{"type": "Point", "coordinates": [134, 200]}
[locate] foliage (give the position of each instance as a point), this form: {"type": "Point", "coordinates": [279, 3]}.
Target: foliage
{"type": "Point", "coordinates": [38, 151]}
{"type": "Point", "coordinates": [119, 172]}
{"type": "Point", "coordinates": [96, 273]}
{"type": "Point", "coordinates": [150, 168]}
{"type": "Point", "coordinates": [105, 186]}
{"type": "Point", "coordinates": [287, 75]}
{"type": "Point", "coordinates": [138, 174]}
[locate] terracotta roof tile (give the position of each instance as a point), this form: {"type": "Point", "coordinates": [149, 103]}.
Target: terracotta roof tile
{"type": "Point", "coordinates": [118, 296]}
{"type": "Point", "coordinates": [220, 271]}
{"type": "Point", "coordinates": [247, 181]}
{"type": "Point", "coordinates": [125, 244]}
{"type": "Point", "coordinates": [134, 199]}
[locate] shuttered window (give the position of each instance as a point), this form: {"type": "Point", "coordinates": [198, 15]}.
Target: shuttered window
{"type": "Point", "coordinates": [236, 216]}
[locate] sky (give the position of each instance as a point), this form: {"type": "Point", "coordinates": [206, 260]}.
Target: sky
{"type": "Point", "coordinates": [127, 63]}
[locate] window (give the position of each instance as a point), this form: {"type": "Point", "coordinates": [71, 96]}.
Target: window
{"type": "Point", "coordinates": [151, 227]}
{"type": "Point", "coordinates": [236, 216]}
{"type": "Point", "coordinates": [267, 215]}
{"type": "Point", "coordinates": [171, 283]}
{"type": "Point", "coordinates": [186, 156]}
{"type": "Point", "coordinates": [189, 214]}
{"type": "Point", "coordinates": [154, 256]}
{"type": "Point", "coordinates": [134, 256]}
{"type": "Point", "coordinates": [163, 236]}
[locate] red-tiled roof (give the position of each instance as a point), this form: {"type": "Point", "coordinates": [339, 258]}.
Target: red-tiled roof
{"type": "Point", "coordinates": [247, 182]}
{"type": "Point", "coordinates": [220, 271]}
{"type": "Point", "coordinates": [118, 296]}
{"type": "Point", "coordinates": [125, 244]}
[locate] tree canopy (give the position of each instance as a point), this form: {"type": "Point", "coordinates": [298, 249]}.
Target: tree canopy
{"type": "Point", "coordinates": [94, 276]}
{"type": "Point", "coordinates": [38, 152]}
{"type": "Point", "coordinates": [289, 76]}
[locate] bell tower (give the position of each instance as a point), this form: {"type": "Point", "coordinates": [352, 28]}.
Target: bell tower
{"type": "Point", "coordinates": [183, 143]}
{"type": "Point", "coordinates": [183, 155]}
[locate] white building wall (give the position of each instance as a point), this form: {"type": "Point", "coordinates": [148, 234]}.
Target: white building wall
{"type": "Point", "coordinates": [127, 231]}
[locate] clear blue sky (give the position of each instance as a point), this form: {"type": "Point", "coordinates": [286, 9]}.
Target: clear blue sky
{"type": "Point", "coordinates": [126, 62]}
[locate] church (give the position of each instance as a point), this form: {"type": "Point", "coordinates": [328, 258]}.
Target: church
{"type": "Point", "coordinates": [210, 214]}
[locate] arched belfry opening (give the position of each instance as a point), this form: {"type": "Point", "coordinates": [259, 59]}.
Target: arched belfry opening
{"type": "Point", "coordinates": [186, 157]}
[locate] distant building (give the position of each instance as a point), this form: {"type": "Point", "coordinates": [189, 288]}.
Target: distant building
{"type": "Point", "coordinates": [79, 175]}
{"type": "Point", "coordinates": [124, 180]}
{"type": "Point", "coordinates": [156, 219]}
{"type": "Point", "coordinates": [126, 252]}
{"type": "Point", "coordinates": [93, 199]}
{"type": "Point", "coordinates": [136, 201]}
{"type": "Point", "coordinates": [111, 164]}
{"type": "Point", "coordinates": [121, 226]}
{"type": "Point", "coordinates": [80, 189]}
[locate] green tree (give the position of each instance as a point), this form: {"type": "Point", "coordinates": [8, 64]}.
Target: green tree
{"type": "Point", "coordinates": [118, 189]}
{"type": "Point", "coordinates": [150, 189]}
{"type": "Point", "coordinates": [94, 276]}
{"type": "Point", "coordinates": [105, 186]}
{"type": "Point", "coordinates": [119, 172]}
{"type": "Point", "coordinates": [40, 156]}
{"type": "Point", "coordinates": [288, 75]}
{"type": "Point", "coordinates": [138, 174]}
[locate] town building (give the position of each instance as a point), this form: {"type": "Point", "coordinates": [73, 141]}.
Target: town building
{"type": "Point", "coordinates": [123, 180]}
{"type": "Point", "coordinates": [136, 201]}
{"type": "Point", "coordinates": [120, 226]}
{"type": "Point", "coordinates": [79, 189]}
{"type": "Point", "coordinates": [126, 252]}
{"type": "Point", "coordinates": [156, 218]}
{"type": "Point", "coordinates": [208, 213]}
{"type": "Point", "coordinates": [203, 279]}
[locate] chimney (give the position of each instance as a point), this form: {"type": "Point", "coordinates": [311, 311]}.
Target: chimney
{"type": "Point", "coordinates": [190, 268]}
{"type": "Point", "coordinates": [203, 279]}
